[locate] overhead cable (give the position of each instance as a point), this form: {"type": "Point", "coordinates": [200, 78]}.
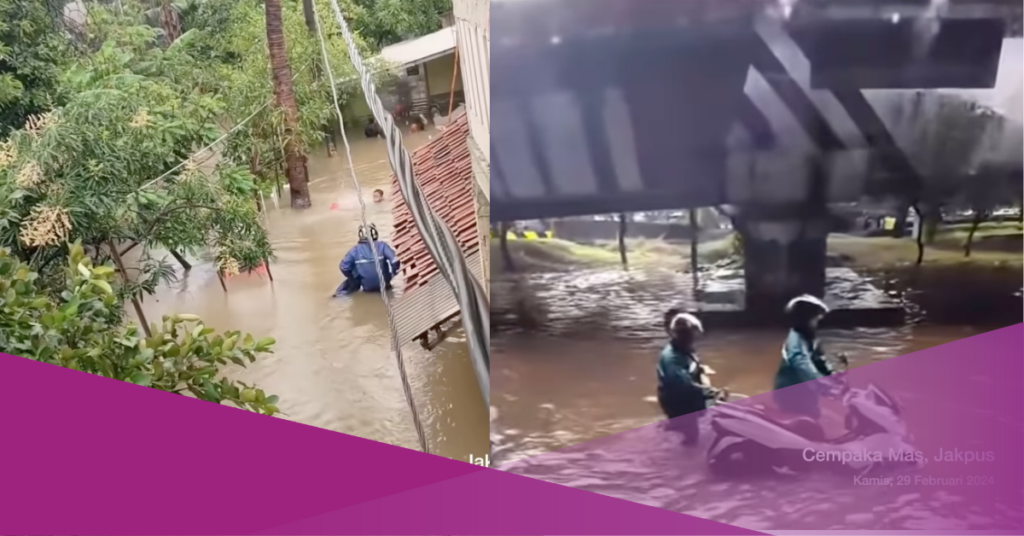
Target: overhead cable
{"type": "Point", "coordinates": [440, 241]}
{"type": "Point", "coordinates": [396, 345]}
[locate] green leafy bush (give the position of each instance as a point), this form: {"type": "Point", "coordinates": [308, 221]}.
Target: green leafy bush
{"type": "Point", "coordinates": [85, 329]}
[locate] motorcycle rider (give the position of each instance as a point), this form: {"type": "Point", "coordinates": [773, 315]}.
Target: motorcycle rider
{"type": "Point", "coordinates": [682, 379]}
{"type": "Point", "coordinates": [358, 269]}
{"type": "Point", "coordinates": [802, 359]}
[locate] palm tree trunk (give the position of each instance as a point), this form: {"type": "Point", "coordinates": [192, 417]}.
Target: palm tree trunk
{"type": "Point", "coordinates": [295, 169]}
{"type": "Point", "coordinates": [170, 22]}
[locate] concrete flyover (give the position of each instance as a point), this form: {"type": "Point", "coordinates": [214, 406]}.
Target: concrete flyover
{"type": "Point", "coordinates": [774, 107]}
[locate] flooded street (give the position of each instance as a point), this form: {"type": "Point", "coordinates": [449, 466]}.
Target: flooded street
{"type": "Point", "coordinates": [332, 366]}
{"type": "Point", "coordinates": [583, 368]}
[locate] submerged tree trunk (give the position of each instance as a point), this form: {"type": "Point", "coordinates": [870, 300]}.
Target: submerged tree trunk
{"type": "Point", "coordinates": [503, 243]}
{"type": "Point", "coordinates": [181, 260]}
{"type": "Point", "coordinates": [979, 217]}
{"type": "Point", "coordinates": [116, 255]}
{"type": "Point", "coordinates": [694, 244]}
{"type": "Point", "coordinates": [919, 235]}
{"type": "Point", "coordinates": [622, 241]}
{"type": "Point", "coordinates": [295, 168]}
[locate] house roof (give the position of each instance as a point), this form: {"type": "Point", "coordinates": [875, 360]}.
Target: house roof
{"type": "Point", "coordinates": [443, 169]}
{"type": "Point", "coordinates": [421, 49]}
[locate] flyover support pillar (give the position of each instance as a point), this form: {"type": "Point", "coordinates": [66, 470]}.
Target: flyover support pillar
{"type": "Point", "coordinates": [783, 257]}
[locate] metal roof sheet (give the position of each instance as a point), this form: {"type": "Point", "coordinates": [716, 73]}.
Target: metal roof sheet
{"type": "Point", "coordinates": [443, 170]}
{"type": "Point", "coordinates": [421, 49]}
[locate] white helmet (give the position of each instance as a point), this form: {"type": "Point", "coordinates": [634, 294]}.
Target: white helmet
{"type": "Point", "coordinates": [806, 300]}
{"type": "Point", "coordinates": [689, 320]}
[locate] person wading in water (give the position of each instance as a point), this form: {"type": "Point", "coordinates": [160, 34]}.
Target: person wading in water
{"type": "Point", "coordinates": [683, 386]}
{"type": "Point", "coordinates": [358, 269]}
{"type": "Point", "coordinates": [803, 359]}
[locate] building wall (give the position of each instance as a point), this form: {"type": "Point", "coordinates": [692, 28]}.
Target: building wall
{"type": "Point", "coordinates": [481, 172]}
{"type": "Point", "coordinates": [472, 27]}
{"type": "Point", "coordinates": [474, 42]}
{"type": "Point", "coordinates": [439, 77]}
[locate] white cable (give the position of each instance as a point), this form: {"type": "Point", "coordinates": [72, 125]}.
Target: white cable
{"type": "Point", "coordinates": [218, 140]}
{"type": "Point", "coordinates": [440, 241]}
{"type": "Point", "coordinates": [396, 345]}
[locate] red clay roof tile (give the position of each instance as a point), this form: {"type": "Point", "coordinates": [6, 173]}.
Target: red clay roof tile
{"type": "Point", "coordinates": [443, 169]}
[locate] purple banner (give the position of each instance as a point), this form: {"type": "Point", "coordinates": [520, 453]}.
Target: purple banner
{"type": "Point", "coordinates": [930, 441]}
{"type": "Point", "coordinates": [88, 455]}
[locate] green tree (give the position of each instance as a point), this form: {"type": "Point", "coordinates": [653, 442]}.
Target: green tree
{"type": "Point", "coordinates": [86, 171]}
{"type": "Point", "coordinates": [284, 93]}
{"type": "Point", "coordinates": [33, 53]}
{"type": "Point", "coordinates": [231, 42]}
{"type": "Point", "coordinates": [84, 329]}
{"type": "Point", "coordinates": [386, 22]}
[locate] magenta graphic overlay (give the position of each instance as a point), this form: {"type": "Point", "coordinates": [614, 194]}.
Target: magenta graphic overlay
{"type": "Point", "coordinates": [950, 457]}
{"type": "Point", "coordinates": [87, 455]}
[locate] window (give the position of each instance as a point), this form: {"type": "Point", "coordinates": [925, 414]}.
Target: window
{"type": "Point", "coordinates": [413, 71]}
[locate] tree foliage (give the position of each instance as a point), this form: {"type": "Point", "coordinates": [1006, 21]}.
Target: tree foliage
{"type": "Point", "coordinates": [100, 121]}
{"type": "Point", "coordinates": [33, 53]}
{"type": "Point", "coordinates": [230, 39]}
{"type": "Point", "coordinates": [386, 22]}
{"type": "Point", "coordinates": [85, 171]}
{"type": "Point", "coordinates": [84, 329]}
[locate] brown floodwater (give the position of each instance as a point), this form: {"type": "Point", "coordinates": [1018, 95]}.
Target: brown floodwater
{"type": "Point", "coordinates": [332, 366]}
{"type": "Point", "coordinates": [575, 353]}
{"type": "Point", "coordinates": [574, 360]}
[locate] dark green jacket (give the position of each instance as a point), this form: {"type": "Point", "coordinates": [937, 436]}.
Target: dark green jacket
{"type": "Point", "coordinates": [802, 361]}
{"type": "Point", "coordinates": [679, 380]}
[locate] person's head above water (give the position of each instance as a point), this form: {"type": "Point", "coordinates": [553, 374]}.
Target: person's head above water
{"type": "Point", "coordinates": [378, 195]}
{"type": "Point", "coordinates": [373, 233]}
{"type": "Point", "coordinates": [805, 311]}
{"type": "Point", "coordinates": [682, 327]}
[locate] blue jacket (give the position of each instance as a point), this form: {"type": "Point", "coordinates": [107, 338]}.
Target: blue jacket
{"type": "Point", "coordinates": [358, 264]}
{"type": "Point", "coordinates": [802, 361]}
{"type": "Point", "coordinates": [679, 381]}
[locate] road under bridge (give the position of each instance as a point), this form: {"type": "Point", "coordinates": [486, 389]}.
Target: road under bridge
{"type": "Point", "coordinates": [773, 108]}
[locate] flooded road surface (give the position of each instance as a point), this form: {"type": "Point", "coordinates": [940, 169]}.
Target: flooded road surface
{"type": "Point", "coordinates": [583, 367]}
{"type": "Point", "coordinates": [332, 366]}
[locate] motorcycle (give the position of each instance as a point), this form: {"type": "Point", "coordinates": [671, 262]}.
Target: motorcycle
{"type": "Point", "coordinates": [749, 440]}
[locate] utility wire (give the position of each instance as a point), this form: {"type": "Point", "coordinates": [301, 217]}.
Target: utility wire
{"type": "Point", "coordinates": [218, 140]}
{"type": "Point", "coordinates": [439, 239]}
{"type": "Point", "coordinates": [396, 345]}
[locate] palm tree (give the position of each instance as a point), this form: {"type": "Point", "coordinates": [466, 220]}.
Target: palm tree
{"type": "Point", "coordinates": [295, 162]}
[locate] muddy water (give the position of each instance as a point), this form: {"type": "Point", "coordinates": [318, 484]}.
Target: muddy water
{"type": "Point", "coordinates": [332, 365]}
{"type": "Point", "coordinates": [575, 353]}
{"type": "Point", "coordinates": [583, 368]}
{"type": "Point", "coordinates": [553, 392]}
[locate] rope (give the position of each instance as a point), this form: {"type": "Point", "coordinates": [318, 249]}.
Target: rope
{"type": "Point", "coordinates": [396, 345]}
{"type": "Point", "coordinates": [438, 238]}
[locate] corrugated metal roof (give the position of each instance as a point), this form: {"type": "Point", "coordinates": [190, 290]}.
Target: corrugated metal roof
{"type": "Point", "coordinates": [421, 49]}
{"type": "Point", "coordinates": [443, 170]}
{"type": "Point", "coordinates": [430, 304]}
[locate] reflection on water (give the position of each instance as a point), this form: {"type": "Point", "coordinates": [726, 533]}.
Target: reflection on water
{"type": "Point", "coordinates": [332, 365]}
{"type": "Point", "coordinates": [583, 367]}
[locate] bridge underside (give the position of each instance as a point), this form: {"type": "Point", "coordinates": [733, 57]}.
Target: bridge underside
{"type": "Point", "coordinates": [656, 109]}
{"type": "Point", "coordinates": [614, 106]}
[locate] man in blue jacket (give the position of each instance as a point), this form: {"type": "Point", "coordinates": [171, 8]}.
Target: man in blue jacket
{"type": "Point", "coordinates": [358, 268]}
